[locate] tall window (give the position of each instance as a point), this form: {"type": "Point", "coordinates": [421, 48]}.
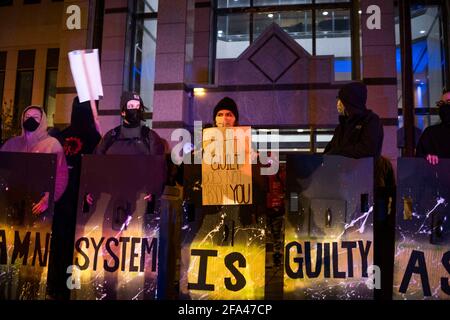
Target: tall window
{"type": "Point", "coordinates": [2, 77]}
{"type": "Point", "coordinates": [321, 27]}
{"type": "Point", "coordinates": [306, 139]}
{"type": "Point", "coordinates": [429, 51]}
{"type": "Point", "coordinates": [2, 85]}
{"type": "Point", "coordinates": [24, 84]}
{"type": "Point", "coordinates": [143, 50]}
{"type": "Point", "coordinates": [50, 84]}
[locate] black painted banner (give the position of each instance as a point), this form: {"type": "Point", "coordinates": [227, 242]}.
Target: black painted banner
{"type": "Point", "coordinates": [25, 178]}
{"type": "Point", "coordinates": [422, 249]}
{"type": "Point", "coordinates": [328, 228]}
{"type": "Point", "coordinates": [117, 235]}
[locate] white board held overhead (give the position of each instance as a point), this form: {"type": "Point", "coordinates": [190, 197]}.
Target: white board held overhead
{"type": "Point", "coordinates": [85, 68]}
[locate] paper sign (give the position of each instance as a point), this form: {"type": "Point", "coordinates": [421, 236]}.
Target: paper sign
{"type": "Point", "coordinates": [226, 166]}
{"type": "Point", "coordinates": [85, 68]}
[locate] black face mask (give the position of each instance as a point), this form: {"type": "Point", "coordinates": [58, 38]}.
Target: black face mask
{"type": "Point", "coordinates": [133, 117]}
{"type": "Point", "coordinates": [30, 125]}
{"type": "Point", "coordinates": [444, 113]}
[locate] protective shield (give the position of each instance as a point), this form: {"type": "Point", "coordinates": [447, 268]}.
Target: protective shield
{"type": "Point", "coordinates": [223, 247]}
{"type": "Point", "coordinates": [25, 178]}
{"type": "Point", "coordinates": [328, 228]}
{"type": "Point", "coordinates": [422, 248]}
{"type": "Point", "coordinates": [117, 234]}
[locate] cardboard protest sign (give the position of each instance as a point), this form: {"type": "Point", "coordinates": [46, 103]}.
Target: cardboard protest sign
{"type": "Point", "coordinates": [24, 236]}
{"type": "Point", "coordinates": [225, 260]}
{"type": "Point", "coordinates": [223, 247]}
{"type": "Point", "coordinates": [226, 166]}
{"type": "Point", "coordinates": [85, 68]}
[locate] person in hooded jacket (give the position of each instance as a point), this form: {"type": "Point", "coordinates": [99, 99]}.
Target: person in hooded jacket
{"type": "Point", "coordinates": [35, 139]}
{"type": "Point", "coordinates": [360, 135]}
{"type": "Point", "coordinates": [434, 142]}
{"type": "Point", "coordinates": [360, 132]}
{"type": "Point", "coordinates": [80, 138]}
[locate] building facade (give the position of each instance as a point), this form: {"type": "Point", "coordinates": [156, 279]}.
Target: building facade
{"type": "Point", "coordinates": [283, 62]}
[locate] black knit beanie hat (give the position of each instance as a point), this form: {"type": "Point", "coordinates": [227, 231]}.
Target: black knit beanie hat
{"type": "Point", "coordinates": [226, 104]}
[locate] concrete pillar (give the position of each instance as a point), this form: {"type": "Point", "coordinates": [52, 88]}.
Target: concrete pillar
{"type": "Point", "coordinates": [40, 64]}
{"type": "Point", "coordinates": [202, 35]}
{"type": "Point", "coordinates": [113, 61]}
{"type": "Point", "coordinates": [174, 55]}
{"type": "Point", "coordinates": [379, 71]}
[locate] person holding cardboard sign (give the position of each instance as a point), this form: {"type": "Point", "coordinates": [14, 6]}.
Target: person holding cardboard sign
{"type": "Point", "coordinates": [226, 114]}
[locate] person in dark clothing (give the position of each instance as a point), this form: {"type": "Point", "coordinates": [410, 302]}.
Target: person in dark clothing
{"type": "Point", "coordinates": [360, 135]}
{"type": "Point", "coordinates": [131, 137]}
{"type": "Point", "coordinates": [360, 132]}
{"type": "Point", "coordinates": [80, 138]}
{"type": "Point", "coordinates": [384, 225]}
{"type": "Point", "coordinates": [434, 142]}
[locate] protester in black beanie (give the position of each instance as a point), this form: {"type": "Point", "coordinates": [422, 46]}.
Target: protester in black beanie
{"type": "Point", "coordinates": [226, 113]}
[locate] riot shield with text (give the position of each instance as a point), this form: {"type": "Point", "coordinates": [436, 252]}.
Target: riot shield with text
{"type": "Point", "coordinates": [328, 228]}
{"type": "Point", "coordinates": [422, 247]}
{"type": "Point", "coordinates": [25, 179]}
{"type": "Point", "coordinates": [117, 234]}
{"type": "Point", "coordinates": [223, 246]}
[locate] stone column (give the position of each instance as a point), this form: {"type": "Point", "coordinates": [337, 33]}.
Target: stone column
{"type": "Point", "coordinates": [174, 54]}
{"type": "Point", "coordinates": [202, 35]}
{"type": "Point", "coordinates": [40, 63]}
{"type": "Point", "coordinates": [113, 61]}
{"type": "Point", "coordinates": [379, 71]}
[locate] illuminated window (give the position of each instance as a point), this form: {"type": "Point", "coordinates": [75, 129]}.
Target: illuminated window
{"type": "Point", "coordinates": [24, 84]}
{"type": "Point", "coordinates": [428, 62]}
{"type": "Point", "coordinates": [307, 140]}
{"type": "Point", "coordinates": [50, 84]}
{"type": "Point", "coordinates": [142, 51]}
{"type": "Point", "coordinates": [320, 27]}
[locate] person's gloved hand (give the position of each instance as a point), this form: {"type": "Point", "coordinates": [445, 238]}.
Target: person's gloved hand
{"type": "Point", "coordinates": [89, 199]}
{"type": "Point", "coordinates": [432, 159]}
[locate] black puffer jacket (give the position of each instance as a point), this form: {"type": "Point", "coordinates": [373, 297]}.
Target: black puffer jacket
{"type": "Point", "coordinates": [360, 132]}
{"type": "Point", "coordinates": [435, 139]}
